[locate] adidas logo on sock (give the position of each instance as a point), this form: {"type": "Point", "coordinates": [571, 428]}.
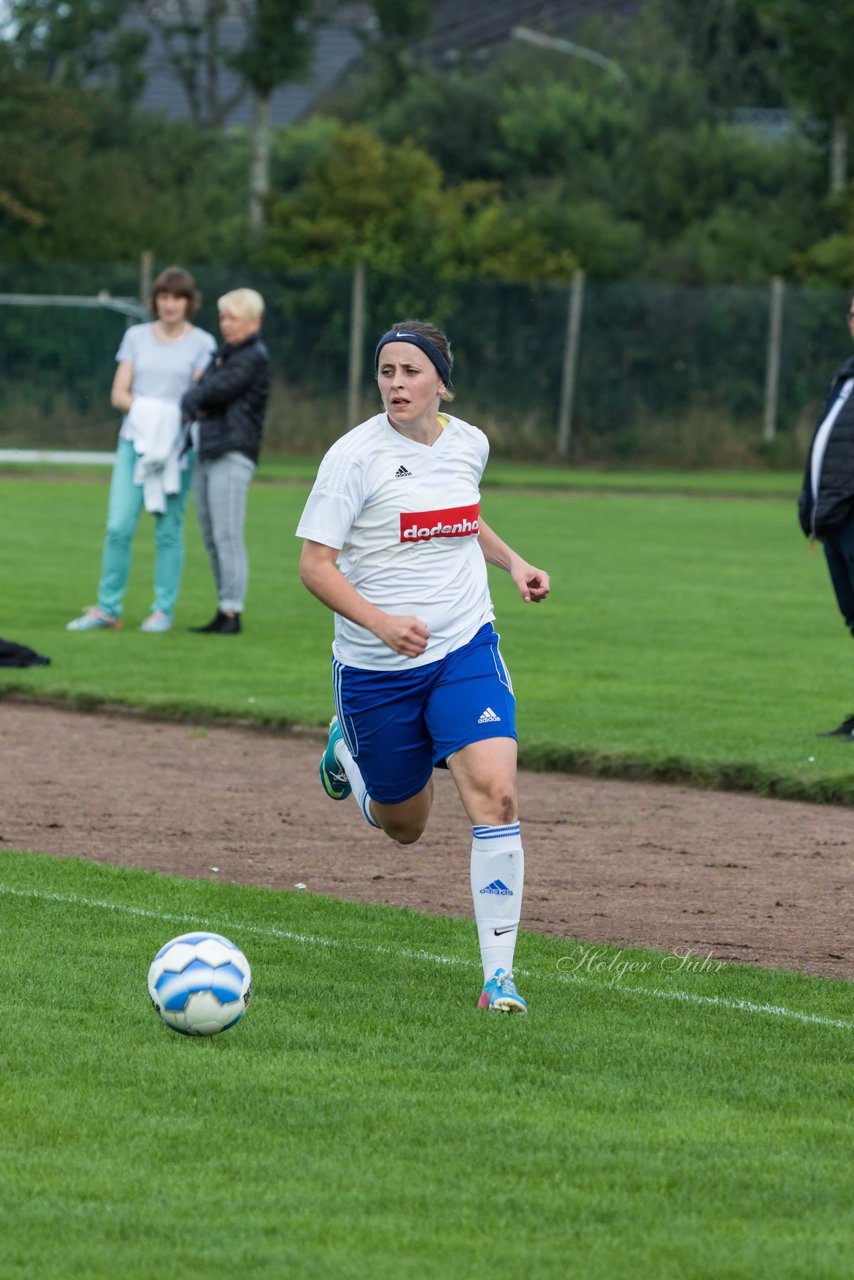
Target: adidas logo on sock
{"type": "Point", "coordinates": [488, 717]}
{"type": "Point", "coordinates": [401, 473]}
{"type": "Point", "coordinates": [498, 887]}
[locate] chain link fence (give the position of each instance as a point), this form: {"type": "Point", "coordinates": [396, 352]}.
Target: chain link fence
{"type": "Point", "coordinates": [595, 372]}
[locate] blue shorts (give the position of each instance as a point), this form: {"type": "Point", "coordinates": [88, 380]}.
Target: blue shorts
{"type": "Point", "coordinates": [400, 724]}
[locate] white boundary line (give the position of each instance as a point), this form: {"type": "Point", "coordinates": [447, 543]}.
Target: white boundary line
{"type": "Point", "coordinates": [779, 1011]}
{"type": "Point", "coordinates": [88, 458]}
{"type": "Point", "coordinates": [270, 931]}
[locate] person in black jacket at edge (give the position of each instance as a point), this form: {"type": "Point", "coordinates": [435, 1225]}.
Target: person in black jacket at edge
{"type": "Point", "coordinates": [227, 406]}
{"type": "Point", "coordinates": [826, 501]}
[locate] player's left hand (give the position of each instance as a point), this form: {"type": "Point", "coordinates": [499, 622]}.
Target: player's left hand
{"type": "Point", "coordinates": [534, 584]}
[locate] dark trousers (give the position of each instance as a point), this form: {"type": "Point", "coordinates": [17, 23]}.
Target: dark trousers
{"type": "Point", "coordinates": [839, 553]}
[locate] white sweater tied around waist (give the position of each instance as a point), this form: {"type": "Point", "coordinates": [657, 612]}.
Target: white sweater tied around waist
{"type": "Point", "coordinates": [154, 428]}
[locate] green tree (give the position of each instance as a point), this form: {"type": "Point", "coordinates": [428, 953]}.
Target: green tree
{"type": "Point", "coordinates": [278, 40]}
{"type": "Point", "coordinates": [816, 51]}
{"type": "Point", "coordinates": [644, 176]}
{"type": "Point", "coordinates": [278, 48]}
{"type": "Point", "coordinates": [397, 26]}
{"type": "Point", "coordinates": [358, 199]}
{"type": "Point", "coordinates": [733, 51]}
{"type": "Point", "coordinates": [83, 181]}
{"type": "Point", "coordinates": [192, 37]}
{"type": "Point", "coordinates": [70, 42]}
{"type": "Point", "coordinates": [829, 260]}
{"type": "Point", "coordinates": [521, 170]}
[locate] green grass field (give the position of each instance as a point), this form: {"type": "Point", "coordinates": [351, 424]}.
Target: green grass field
{"type": "Point", "coordinates": [365, 1121]}
{"type": "Point", "coordinates": [687, 637]}
{"type": "Point", "coordinates": [651, 1119]}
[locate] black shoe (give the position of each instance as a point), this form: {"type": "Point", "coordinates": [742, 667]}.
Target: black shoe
{"type": "Point", "coordinates": [845, 730]}
{"type": "Point", "coordinates": [215, 624]}
{"type": "Point", "coordinates": [229, 626]}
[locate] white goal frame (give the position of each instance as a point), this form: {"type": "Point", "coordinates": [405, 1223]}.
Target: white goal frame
{"type": "Point", "coordinates": [130, 307]}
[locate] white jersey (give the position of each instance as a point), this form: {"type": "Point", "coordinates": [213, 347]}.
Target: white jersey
{"type": "Point", "coordinates": [404, 519]}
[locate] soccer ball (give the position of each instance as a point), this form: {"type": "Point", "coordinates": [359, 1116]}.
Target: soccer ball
{"type": "Point", "coordinates": [200, 983]}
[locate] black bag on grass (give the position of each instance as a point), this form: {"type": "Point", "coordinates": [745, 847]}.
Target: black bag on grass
{"type": "Point", "coordinates": [19, 655]}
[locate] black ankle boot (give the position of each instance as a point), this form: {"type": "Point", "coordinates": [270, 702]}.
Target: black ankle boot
{"type": "Point", "coordinates": [229, 626]}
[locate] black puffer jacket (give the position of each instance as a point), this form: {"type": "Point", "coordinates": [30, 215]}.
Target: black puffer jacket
{"type": "Point", "coordinates": [230, 399]}
{"type": "Point", "coordinates": [819, 514]}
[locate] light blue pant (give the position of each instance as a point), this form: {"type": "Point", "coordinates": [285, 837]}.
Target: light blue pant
{"type": "Point", "coordinates": [220, 489]}
{"type": "Point", "coordinates": [123, 512]}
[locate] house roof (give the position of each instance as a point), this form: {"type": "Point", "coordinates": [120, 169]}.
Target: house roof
{"type": "Point", "coordinates": [336, 48]}
{"type": "Point", "coordinates": [463, 30]}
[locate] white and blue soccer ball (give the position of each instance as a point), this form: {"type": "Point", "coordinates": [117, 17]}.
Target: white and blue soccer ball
{"type": "Point", "coordinates": [200, 983]}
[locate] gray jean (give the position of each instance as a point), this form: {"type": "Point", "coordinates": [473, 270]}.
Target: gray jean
{"type": "Point", "coordinates": [220, 487]}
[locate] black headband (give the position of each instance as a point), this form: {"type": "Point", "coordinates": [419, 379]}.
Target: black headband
{"type": "Point", "coordinates": [434, 355]}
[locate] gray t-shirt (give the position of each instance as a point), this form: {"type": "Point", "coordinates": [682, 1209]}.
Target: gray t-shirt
{"type": "Point", "coordinates": [164, 369]}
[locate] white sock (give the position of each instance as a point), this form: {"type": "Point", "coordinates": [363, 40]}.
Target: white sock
{"type": "Point", "coordinates": [357, 782]}
{"type": "Point", "coordinates": [497, 875]}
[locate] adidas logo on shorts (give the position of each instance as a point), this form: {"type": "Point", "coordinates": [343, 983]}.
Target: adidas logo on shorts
{"type": "Point", "coordinates": [488, 717]}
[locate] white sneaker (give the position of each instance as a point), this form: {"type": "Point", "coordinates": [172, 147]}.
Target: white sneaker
{"type": "Point", "coordinates": [157, 621]}
{"type": "Point", "coordinates": [94, 619]}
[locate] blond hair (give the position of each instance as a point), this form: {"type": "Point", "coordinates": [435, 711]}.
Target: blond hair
{"type": "Point", "coordinates": [245, 304]}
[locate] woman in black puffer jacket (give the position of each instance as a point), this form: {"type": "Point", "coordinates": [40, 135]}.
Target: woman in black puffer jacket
{"type": "Point", "coordinates": [826, 500]}
{"type": "Point", "coordinates": [227, 406]}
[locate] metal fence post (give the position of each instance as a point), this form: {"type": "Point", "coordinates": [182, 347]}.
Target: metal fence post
{"type": "Point", "coordinates": [570, 362]}
{"type": "Point", "coordinates": [357, 344]}
{"type": "Point", "coordinates": [772, 363]}
{"type": "Point", "coordinates": [146, 264]}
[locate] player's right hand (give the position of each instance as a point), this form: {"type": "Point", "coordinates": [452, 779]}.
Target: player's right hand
{"type": "Point", "coordinates": [407, 636]}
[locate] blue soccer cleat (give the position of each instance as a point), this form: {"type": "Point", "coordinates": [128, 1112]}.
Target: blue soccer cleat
{"type": "Point", "coordinates": [332, 775]}
{"type": "Point", "coordinates": [500, 993]}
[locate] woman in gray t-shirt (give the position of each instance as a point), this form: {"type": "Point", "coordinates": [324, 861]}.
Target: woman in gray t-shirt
{"type": "Point", "coordinates": [156, 365]}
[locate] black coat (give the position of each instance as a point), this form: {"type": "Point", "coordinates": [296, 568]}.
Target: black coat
{"type": "Point", "coordinates": [13, 654]}
{"type": "Point", "coordinates": [230, 399]}
{"type": "Point", "coordinates": [836, 490]}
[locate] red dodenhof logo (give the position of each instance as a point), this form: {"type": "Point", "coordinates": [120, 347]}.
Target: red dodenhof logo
{"type": "Point", "coordinates": [448, 522]}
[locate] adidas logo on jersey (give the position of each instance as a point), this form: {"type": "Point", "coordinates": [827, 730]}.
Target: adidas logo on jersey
{"type": "Point", "coordinates": [488, 717]}
{"type": "Point", "coordinates": [499, 888]}
{"type": "Point", "coordinates": [402, 474]}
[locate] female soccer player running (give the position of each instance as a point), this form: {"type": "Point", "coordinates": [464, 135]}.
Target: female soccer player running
{"type": "Point", "coordinates": [396, 547]}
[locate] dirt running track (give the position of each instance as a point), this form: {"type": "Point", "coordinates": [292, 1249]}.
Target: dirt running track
{"type": "Point", "coordinates": [746, 879]}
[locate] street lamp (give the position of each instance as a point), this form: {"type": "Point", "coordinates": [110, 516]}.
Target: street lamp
{"type": "Point", "coordinates": [566, 46]}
